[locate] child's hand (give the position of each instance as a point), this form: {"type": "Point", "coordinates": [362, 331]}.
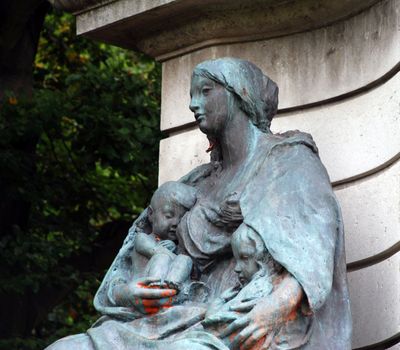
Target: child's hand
{"type": "Point", "coordinates": [168, 244]}
{"type": "Point", "coordinates": [162, 250]}
{"type": "Point", "coordinates": [230, 208]}
{"type": "Point", "coordinates": [229, 214]}
{"type": "Point", "coordinates": [174, 285]}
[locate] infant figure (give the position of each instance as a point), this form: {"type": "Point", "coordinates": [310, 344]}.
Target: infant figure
{"type": "Point", "coordinates": [256, 269]}
{"type": "Point", "coordinates": [167, 207]}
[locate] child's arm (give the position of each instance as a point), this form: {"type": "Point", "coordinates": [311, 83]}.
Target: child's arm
{"type": "Point", "coordinates": [145, 244]}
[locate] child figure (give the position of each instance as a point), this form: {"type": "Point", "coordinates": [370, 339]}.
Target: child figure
{"type": "Point", "coordinates": [258, 275]}
{"type": "Point", "coordinates": [167, 207]}
{"type": "Point", "coordinates": [256, 269]}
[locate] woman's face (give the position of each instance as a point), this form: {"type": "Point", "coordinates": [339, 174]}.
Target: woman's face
{"type": "Point", "coordinates": [209, 103]}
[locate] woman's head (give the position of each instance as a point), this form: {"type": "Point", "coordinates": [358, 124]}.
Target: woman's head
{"type": "Point", "coordinates": [210, 103]}
{"type": "Point", "coordinates": [255, 94]}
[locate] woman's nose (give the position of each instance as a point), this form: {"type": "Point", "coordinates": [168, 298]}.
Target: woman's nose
{"type": "Point", "coordinates": [194, 106]}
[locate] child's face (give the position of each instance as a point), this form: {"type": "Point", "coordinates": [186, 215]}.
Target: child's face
{"type": "Point", "coordinates": [246, 264]}
{"type": "Point", "coordinates": [165, 217]}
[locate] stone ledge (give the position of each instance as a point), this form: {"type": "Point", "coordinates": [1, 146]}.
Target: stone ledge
{"type": "Point", "coordinates": [77, 6]}
{"type": "Point", "coordinates": [166, 28]}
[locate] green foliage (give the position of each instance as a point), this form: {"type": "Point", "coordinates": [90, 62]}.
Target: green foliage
{"type": "Point", "coordinates": [93, 124]}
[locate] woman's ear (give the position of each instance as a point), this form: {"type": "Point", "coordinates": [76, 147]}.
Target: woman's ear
{"type": "Point", "coordinates": [150, 214]}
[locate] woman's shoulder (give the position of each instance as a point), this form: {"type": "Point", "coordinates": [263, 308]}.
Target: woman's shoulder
{"type": "Point", "coordinates": [198, 174]}
{"type": "Point", "coordinates": [292, 138]}
{"type": "Point", "coordinates": [292, 152]}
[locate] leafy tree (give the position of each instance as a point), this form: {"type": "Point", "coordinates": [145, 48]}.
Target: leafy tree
{"type": "Point", "coordinates": [93, 118]}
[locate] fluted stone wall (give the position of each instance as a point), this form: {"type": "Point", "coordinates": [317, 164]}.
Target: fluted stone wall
{"type": "Point", "coordinates": [341, 84]}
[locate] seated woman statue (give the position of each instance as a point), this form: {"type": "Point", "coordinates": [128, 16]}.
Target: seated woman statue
{"type": "Point", "coordinates": [260, 187]}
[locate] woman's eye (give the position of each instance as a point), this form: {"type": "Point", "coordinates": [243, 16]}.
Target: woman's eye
{"type": "Point", "coordinates": [205, 90]}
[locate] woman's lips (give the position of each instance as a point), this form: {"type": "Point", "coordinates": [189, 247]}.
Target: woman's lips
{"type": "Point", "coordinates": [199, 117]}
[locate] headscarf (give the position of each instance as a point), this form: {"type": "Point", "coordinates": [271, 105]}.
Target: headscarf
{"type": "Point", "coordinates": [257, 94]}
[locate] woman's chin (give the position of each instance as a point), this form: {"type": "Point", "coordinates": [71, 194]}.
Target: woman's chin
{"type": "Point", "coordinates": [203, 129]}
{"type": "Point", "coordinates": [206, 130]}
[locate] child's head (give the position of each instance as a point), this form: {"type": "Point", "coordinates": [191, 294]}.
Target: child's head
{"type": "Point", "coordinates": [168, 204]}
{"type": "Point", "coordinates": [250, 253]}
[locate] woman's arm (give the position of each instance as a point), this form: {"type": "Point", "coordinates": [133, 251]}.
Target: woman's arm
{"type": "Point", "coordinates": [266, 315]}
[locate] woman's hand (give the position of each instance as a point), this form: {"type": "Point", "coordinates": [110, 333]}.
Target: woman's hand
{"type": "Point", "coordinates": [251, 328]}
{"type": "Point", "coordinates": [144, 296]}
{"type": "Point", "coordinates": [266, 315]}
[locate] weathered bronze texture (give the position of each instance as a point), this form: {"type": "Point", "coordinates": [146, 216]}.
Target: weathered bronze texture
{"type": "Point", "coordinates": [245, 252]}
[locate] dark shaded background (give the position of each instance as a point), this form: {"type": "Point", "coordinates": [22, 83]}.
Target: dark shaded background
{"type": "Point", "coordinates": [79, 134]}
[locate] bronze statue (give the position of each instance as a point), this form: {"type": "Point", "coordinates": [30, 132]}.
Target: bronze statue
{"type": "Point", "coordinates": [259, 234]}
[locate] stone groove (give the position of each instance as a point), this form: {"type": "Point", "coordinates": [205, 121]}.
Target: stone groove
{"type": "Point", "coordinates": [384, 344]}
{"type": "Point", "coordinates": [374, 259]}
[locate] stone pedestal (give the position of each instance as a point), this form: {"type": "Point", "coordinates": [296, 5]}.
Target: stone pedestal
{"type": "Point", "coordinates": [337, 65]}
